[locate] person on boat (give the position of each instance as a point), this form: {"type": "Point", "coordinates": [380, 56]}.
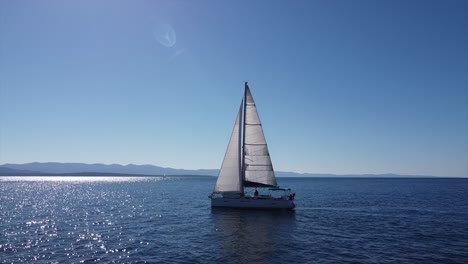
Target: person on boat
{"type": "Point", "coordinates": [256, 193]}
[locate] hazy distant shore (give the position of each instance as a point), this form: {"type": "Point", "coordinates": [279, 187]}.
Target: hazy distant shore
{"type": "Point", "coordinates": [131, 170]}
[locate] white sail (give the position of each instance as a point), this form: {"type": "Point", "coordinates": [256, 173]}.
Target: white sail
{"type": "Point", "coordinates": [257, 163]}
{"type": "Point", "coordinates": [230, 176]}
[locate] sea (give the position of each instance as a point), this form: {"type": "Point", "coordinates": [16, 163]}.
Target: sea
{"type": "Point", "coordinates": [169, 220]}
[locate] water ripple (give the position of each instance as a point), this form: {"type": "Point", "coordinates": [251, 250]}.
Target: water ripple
{"type": "Point", "coordinates": [148, 220]}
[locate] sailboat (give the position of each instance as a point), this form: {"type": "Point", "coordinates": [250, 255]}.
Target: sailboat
{"type": "Point", "coordinates": [247, 167]}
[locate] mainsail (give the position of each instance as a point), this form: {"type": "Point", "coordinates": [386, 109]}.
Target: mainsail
{"type": "Point", "coordinates": [258, 169]}
{"type": "Point", "coordinates": [230, 176]}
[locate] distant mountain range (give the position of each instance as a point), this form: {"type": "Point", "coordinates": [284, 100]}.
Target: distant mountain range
{"type": "Point", "coordinates": [82, 169]}
{"type": "Point", "coordinates": [38, 168]}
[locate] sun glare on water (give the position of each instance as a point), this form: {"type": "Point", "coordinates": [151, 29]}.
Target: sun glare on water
{"type": "Point", "coordinates": [77, 179]}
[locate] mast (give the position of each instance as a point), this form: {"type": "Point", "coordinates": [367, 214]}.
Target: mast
{"type": "Point", "coordinates": [240, 156]}
{"type": "Point", "coordinates": [243, 137]}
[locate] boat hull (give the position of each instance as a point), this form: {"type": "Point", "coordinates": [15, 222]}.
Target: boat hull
{"type": "Point", "coordinates": [254, 203]}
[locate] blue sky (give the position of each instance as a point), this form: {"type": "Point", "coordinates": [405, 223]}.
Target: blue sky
{"type": "Point", "coordinates": [342, 86]}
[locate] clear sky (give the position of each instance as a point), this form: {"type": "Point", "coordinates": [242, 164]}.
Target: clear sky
{"type": "Point", "coordinates": [341, 86]}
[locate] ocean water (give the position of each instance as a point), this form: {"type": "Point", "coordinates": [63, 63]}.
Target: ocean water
{"type": "Point", "coordinates": [153, 220]}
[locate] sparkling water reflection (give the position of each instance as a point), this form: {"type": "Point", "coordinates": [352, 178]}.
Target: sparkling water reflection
{"type": "Point", "coordinates": [76, 179]}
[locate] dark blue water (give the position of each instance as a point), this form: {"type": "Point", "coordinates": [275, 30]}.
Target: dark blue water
{"type": "Point", "coordinates": [139, 220]}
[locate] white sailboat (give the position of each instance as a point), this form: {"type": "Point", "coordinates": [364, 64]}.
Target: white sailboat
{"type": "Point", "coordinates": [247, 167]}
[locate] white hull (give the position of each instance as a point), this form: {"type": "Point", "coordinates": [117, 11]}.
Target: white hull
{"type": "Point", "coordinates": [251, 202]}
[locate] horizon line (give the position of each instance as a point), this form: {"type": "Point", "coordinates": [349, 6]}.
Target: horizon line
{"type": "Point", "coordinates": [302, 173]}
